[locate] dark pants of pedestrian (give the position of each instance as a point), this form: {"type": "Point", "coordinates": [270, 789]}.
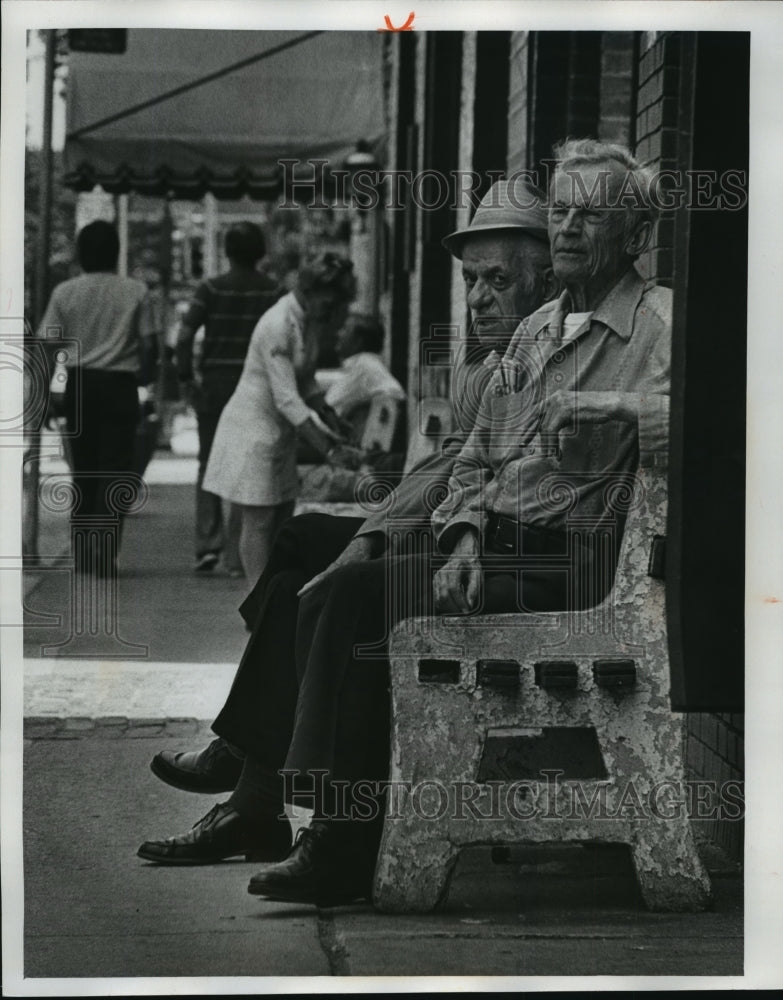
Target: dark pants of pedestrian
{"type": "Point", "coordinates": [101, 412]}
{"type": "Point", "coordinates": [212, 536]}
{"type": "Point", "coordinates": [265, 685]}
{"type": "Point", "coordinates": [328, 720]}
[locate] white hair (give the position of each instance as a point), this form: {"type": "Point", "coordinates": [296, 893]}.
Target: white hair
{"type": "Point", "coordinates": [575, 152]}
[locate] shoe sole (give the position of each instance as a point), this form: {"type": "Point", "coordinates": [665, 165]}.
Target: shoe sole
{"type": "Point", "coordinates": [277, 896]}
{"type": "Point", "coordinates": [250, 856]}
{"type": "Point", "coordinates": [175, 779]}
{"type": "Point", "coordinates": [167, 862]}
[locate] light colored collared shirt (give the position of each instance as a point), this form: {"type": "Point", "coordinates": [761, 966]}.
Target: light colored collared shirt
{"type": "Point", "coordinates": [506, 468]}
{"type": "Point", "coordinates": [107, 314]}
{"type": "Point", "coordinates": [362, 376]}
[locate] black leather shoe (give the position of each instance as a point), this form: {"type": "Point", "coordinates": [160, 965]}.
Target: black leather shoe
{"type": "Point", "coordinates": [316, 871]}
{"type": "Point", "coordinates": [221, 834]}
{"type": "Point", "coordinates": [212, 770]}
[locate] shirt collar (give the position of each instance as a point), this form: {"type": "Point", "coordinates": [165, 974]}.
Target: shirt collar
{"type": "Point", "coordinates": [616, 310]}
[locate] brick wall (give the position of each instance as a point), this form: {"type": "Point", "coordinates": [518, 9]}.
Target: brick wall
{"type": "Point", "coordinates": [617, 97]}
{"type": "Point", "coordinates": [715, 752]}
{"type": "Point", "coordinates": [658, 142]}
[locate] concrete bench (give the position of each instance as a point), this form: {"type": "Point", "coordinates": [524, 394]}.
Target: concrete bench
{"type": "Point", "coordinates": [461, 684]}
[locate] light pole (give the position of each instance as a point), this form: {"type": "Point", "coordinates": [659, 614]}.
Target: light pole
{"type": "Point", "coordinates": [32, 464]}
{"type": "Point", "coordinates": [365, 228]}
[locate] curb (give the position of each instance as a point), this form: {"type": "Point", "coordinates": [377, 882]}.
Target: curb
{"type": "Point", "coordinates": [110, 727]}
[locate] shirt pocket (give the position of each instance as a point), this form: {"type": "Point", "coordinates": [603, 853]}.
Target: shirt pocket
{"type": "Point", "coordinates": [513, 423]}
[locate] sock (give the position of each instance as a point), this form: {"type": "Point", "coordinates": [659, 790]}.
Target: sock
{"type": "Point", "coordinates": [259, 792]}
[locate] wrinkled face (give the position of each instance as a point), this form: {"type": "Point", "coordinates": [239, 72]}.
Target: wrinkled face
{"type": "Point", "coordinates": [586, 233]}
{"type": "Point", "coordinates": [497, 284]}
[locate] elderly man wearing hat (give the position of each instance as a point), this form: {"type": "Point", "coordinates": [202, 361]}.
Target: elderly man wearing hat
{"type": "Point", "coordinates": [302, 697]}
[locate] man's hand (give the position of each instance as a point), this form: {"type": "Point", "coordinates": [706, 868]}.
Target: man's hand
{"type": "Point", "coordinates": [568, 409]}
{"type": "Point", "coordinates": [346, 456]}
{"type": "Point", "coordinates": [329, 416]}
{"type": "Point", "coordinates": [358, 550]}
{"type": "Point", "coordinates": [455, 587]}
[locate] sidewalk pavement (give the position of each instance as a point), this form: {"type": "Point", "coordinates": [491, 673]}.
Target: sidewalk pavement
{"type": "Point", "coordinates": [94, 909]}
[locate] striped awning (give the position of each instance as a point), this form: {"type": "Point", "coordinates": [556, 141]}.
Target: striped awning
{"type": "Point", "coordinates": [181, 112]}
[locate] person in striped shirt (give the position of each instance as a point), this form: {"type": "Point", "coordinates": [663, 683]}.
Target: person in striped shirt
{"type": "Point", "coordinates": [228, 307]}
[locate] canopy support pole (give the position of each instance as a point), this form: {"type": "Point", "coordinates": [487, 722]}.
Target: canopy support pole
{"type": "Point", "coordinates": [122, 228]}
{"type": "Point", "coordinates": [210, 235]}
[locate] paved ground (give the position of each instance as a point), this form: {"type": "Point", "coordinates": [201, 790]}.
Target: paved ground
{"type": "Point", "coordinates": [93, 909]}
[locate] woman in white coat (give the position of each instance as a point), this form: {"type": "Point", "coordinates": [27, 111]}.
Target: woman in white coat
{"type": "Point", "coordinates": [253, 458]}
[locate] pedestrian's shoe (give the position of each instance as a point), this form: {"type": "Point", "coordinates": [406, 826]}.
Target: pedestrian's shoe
{"type": "Point", "coordinates": [212, 770]}
{"type": "Point", "coordinates": [206, 563]}
{"type": "Point", "coordinates": [316, 871]}
{"type": "Point", "coordinates": [222, 833]}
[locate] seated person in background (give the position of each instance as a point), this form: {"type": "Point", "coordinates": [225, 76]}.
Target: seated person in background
{"type": "Point", "coordinates": [362, 376]}
{"type": "Point", "coordinates": [363, 373]}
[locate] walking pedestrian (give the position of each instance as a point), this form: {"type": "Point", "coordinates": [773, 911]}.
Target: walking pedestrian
{"type": "Point", "coordinates": [109, 318]}
{"type": "Point", "coordinates": [253, 459]}
{"type": "Point", "coordinates": [228, 307]}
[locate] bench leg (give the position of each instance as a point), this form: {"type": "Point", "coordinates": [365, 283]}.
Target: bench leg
{"type": "Point", "coordinates": [669, 870]}
{"type": "Point", "coordinates": [412, 876]}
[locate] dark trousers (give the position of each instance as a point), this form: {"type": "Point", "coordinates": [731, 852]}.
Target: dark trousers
{"type": "Point", "coordinates": [215, 391]}
{"type": "Point", "coordinates": [331, 713]}
{"type": "Point", "coordinates": [102, 412]}
{"type": "Point", "coordinates": [343, 708]}
{"type": "Point", "coordinates": [259, 711]}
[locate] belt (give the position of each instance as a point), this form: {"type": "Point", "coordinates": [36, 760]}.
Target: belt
{"type": "Point", "coordinates": [504, 534]}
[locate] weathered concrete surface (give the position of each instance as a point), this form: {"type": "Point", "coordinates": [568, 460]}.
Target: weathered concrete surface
{"type": "Point", "coordinates": [640, 738]}
{"type": "Point", "coordinates": [94, 909]}
{"type": "Point", "coordinates": [83, 688]}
